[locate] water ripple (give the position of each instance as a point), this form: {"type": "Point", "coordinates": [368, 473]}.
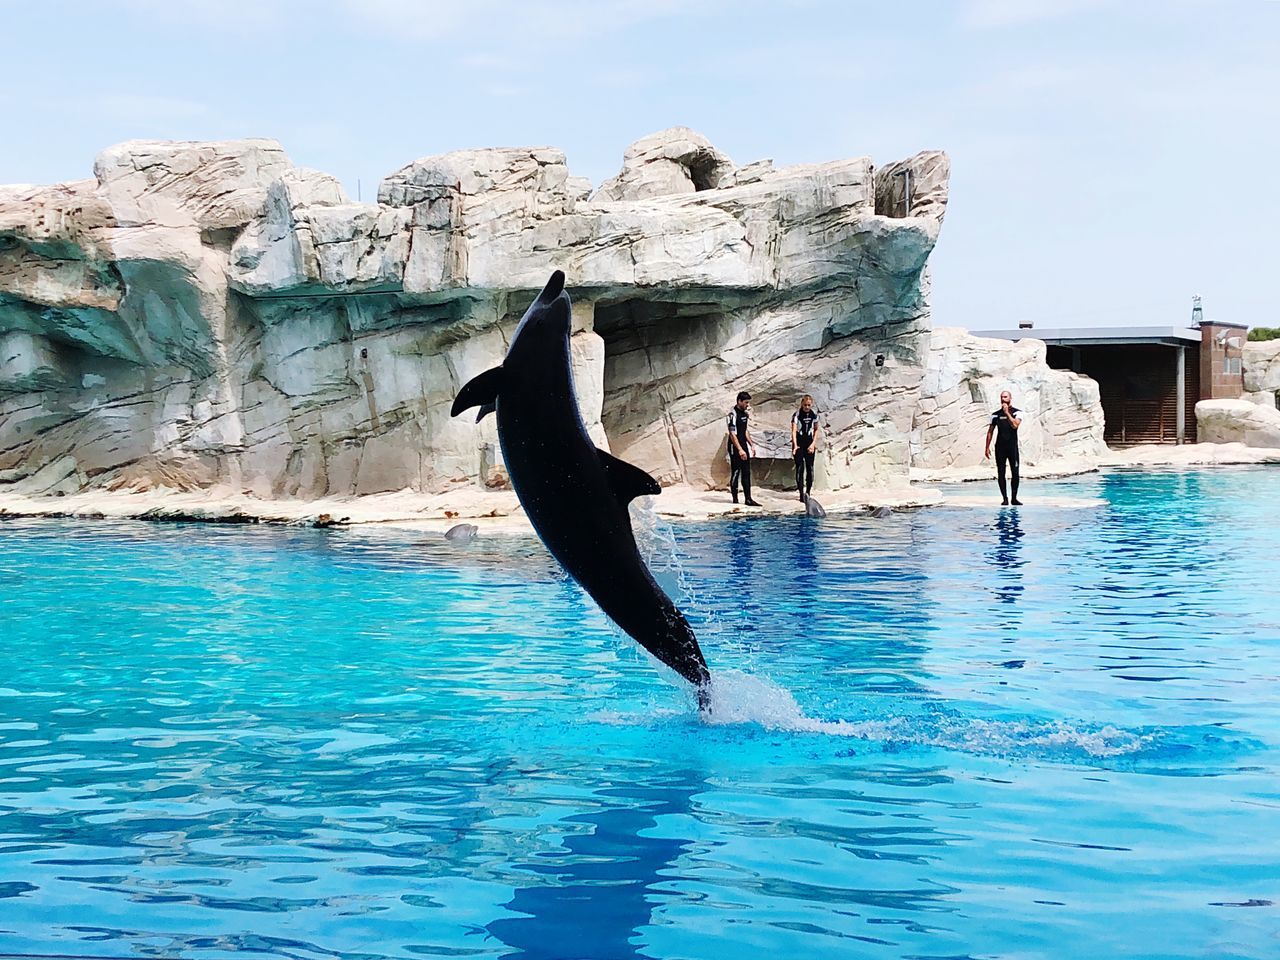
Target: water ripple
{"type": "Point", "coordinates": [954, 733]}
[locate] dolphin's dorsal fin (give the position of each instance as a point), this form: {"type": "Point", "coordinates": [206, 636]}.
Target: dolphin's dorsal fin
{"type": "Point", "coordinates": [627, 481]}
{"type": "Point", "coordinates": [480, 391]}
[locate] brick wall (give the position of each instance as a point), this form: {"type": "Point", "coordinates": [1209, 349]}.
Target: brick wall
{"type": "Point", "coordinates": [1221, 368]}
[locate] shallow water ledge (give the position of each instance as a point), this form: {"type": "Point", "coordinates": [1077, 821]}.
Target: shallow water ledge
{"type": "Point", "coordinates": [1142, 455]}
{"type": "Point", "coordinates": [492, 511]}
{"type": "Point", "coordinates": [499, 512]}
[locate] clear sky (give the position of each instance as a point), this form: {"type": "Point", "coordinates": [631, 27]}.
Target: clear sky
{"type": "Point", "coordinates": [1110, 158]}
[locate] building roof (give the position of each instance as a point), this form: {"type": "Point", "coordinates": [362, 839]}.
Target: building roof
{"type": "Point", "coordinates": [1092, 336]}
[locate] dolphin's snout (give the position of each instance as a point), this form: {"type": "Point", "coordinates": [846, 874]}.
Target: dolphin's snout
{"type": "Point", "coordinates": [553, 289]}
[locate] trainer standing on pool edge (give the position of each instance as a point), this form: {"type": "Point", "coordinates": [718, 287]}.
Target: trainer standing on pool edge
{"type": "Point", "coordinates": [805, 431]}
{"type": "Point", "coordinates": [741, 449]}
{"type": "Point", "coordinates": [1004, 424]}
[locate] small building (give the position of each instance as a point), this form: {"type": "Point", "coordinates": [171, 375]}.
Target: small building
{"type": "Point", "coordinates": [1149, 378]}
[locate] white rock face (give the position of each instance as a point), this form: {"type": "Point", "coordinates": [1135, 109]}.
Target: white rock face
{"type": "Point", "coordinates": [668, 163]}
{"type": "Point", "coordinates": [1265, 397]}
{"type": "Point", "coordinates": [213, 185]}
{"type": "Point", "coordinates": [207, 313]}
{"type": "Point", "coordinates": [963, 378]}
{"type": "Point", "coordinates": [1262, 366]}
{"type": "Point", "coordinates": [1237, 421]}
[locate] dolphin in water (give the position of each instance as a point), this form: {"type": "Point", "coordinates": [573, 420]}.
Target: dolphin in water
{"type": "Point", "coordinates": [575, 494]}
{"type": "Point", "coordinates": [461, 533]}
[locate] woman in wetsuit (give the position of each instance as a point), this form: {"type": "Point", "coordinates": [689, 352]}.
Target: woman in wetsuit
{"type": "Point", "coordinates": [805, 431]}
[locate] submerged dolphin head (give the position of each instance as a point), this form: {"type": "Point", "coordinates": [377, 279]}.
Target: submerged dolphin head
{"type": "Point", "coordinates": [461, 533]}
{"type": "Point", "coordinates": [546, 322]}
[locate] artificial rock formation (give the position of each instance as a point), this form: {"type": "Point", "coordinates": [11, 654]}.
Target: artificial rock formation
{"type": "Point", "coordinates": [204, 314]}
{"type": "Point", "coordinates": [1238, 421]}
{"type": "Point", "coordinates": [1262, 371]}
{"type": "Point", "coordinates": [963, 378]}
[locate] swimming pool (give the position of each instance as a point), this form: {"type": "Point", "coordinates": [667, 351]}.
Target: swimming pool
{"type": "Point", "coordinates": [951, 733]}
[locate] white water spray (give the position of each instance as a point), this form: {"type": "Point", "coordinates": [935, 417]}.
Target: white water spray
{"type": "Point", "coordinates": [739, 698]}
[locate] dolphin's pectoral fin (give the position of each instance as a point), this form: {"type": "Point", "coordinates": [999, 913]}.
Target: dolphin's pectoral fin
{"type": "Point", "coordinates": [480, 391]}
{"type": "Point", "coordinates": [627, 481]}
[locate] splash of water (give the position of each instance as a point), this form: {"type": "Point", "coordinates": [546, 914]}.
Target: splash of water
{"type": "Point", "coordinates": [656, 540]}
{"type": "Point", "coordinates": [741, 699]}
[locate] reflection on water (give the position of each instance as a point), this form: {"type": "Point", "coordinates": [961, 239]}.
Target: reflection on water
{"type": "Point", "coordinates": [1007, 561]}
{"type": "Point", "coordinates": [590, 897]}
{"type": "Point", "coordinates": [945, 734]}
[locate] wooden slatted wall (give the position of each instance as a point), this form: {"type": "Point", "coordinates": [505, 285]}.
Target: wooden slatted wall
{"type": "Point", "coordinates": [1139, 388]}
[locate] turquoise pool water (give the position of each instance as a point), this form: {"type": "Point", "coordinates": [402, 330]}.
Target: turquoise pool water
{"type": "Point", "coordinates": [952, 733]}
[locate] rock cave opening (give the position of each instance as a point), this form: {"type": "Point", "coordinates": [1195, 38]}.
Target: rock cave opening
{"type": "Point", "coordinates": [704, 170]}
{"type": "Point", "coordinates": [661, 358]}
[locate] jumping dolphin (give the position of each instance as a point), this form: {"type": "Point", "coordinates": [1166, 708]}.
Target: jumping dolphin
{"type": "Point", "coordinates": [575, 494]}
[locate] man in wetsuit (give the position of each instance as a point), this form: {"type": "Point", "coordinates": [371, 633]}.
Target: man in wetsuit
{"type": "Point", "coordinates": [741, 448]}
{"type": "Point", "coordinates": [804, 442]}
{"type": "Point", "coordinates": [1005, 423]}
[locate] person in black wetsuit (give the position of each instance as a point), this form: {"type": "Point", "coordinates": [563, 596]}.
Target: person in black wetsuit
{"type": "Point", "coordinates": [1005, 423]}
{"type": "Point", "coordinates": [741, 449]}
{"type": "Point", "coordinates": [805, 431]}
